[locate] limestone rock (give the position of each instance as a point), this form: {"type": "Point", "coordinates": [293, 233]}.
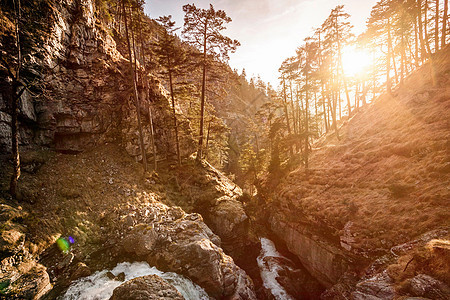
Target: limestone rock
{"type": "Point", "coordinates": [323, 260]}
{"type": "Point", "coordinates": [227, 216]}
{"type": "Point", "coordinates": [146, 288]}
{"type": "Point", "coordinates": [426, 286]}
{"type": "Point", "coordinates": [11, 241]}
{"type": "Point", "coordinates": [140, 241]}
{"type": "Point", "coordinates": [86, 87]}
{"type": "Point", "coordinates": [378, 287]}
{"type": "Point", "coordinates": [31, 285]}
{"type": "Point", "coordinates": [174, 241]}
{"type": "Point", "coordinates": [80, 270]}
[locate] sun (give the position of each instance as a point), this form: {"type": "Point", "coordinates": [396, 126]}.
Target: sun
{"type": "Point", "coordinates": [355, 61]}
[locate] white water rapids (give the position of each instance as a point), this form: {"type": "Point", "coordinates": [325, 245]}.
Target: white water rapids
{"type": "Point", "coordinates": [99, 287]}
{"type": "Point", "coordinates": [269, 270]}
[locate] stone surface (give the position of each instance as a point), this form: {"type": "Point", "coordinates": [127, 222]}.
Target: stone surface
{"type": "Point", "coordinates": [32, 285]}
{"type": "Point", "coordinates": [80, 270]}
{"type": "Point", "coordinates": [426, 286]}
{"type": "Point", "coordinates": [174, 241]}
{"type": "Point", "coordinates": [378, 287]}
{"type": "Point", "coordinates": [11, 241]}
{"type": "Point", "coordinates": [227, 217]}
{"type": "Point", "coordinates": [323, 260]}
{"type": "Point", "coordinates": [84, 88]}
{"type": "Point", "coordinates": [146, 287]}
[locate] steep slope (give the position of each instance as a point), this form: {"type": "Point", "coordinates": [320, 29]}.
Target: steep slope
{"type": "Point", "coordinates": [114, 214]}
{"type": "Point", "coordinates": [83, 85]}
{"type": "Point", "coordinates": [384, 183]}
{"type": "Point", "coordinates": [80, 177]}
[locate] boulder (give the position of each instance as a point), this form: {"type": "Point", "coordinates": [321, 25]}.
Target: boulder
{"type": "Point", "coordinates": [146, 288]}
{"type": "Point", "coordinates": [426, 286]}
{"type": "Point", "coordinates": [379, 286]}
{"type": "Point", "coordinates": [80, 270]}
{"type": "Point", "coordinates": [32, 285]}
{"type": "Point", "coordinates": [227, 217]}
{"type": "Point", "coordinates": [178, 242]}
{"type": "Point", "coordinates": [11, 241]}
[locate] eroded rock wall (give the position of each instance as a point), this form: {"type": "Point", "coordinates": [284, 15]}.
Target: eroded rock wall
{"type": "Point", "coordinates": [83, 92]}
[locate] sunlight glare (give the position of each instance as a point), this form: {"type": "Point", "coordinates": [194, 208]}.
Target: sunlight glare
{"type": "Point", "coordinates": [355, 61]}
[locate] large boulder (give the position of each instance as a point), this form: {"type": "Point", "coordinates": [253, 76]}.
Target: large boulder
{"type": "Point", "coordinates": [172, 240]}
{"type": "Point", "coordinates": [426, 286]}
{"type": "Point", "coordinates": [146, 288]}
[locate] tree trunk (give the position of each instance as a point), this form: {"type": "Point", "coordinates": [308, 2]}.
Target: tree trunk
{"type": "Point", "coordinates": [177, 141]}
{"type": "Point", "coordinates": [286, 114]}
{"type": "Point", "coordinates": [333, 114]}
{"type": "Point", "coordinates": [306, 123]}
{"type": "Point", "coordinates": [343, 76]}
{"type": "Point", "coordinates": [202, 105]}
{"type": "Point", "coordinates": [207, 138]}
{"type": "Point", "coordinates": [136, 96]}
{"type": "Point", "coordinates": [325, 113]}
{"type": "Point", "coordinates": [155, 163]}
{"type": "Point", "coordinates": [15, 141]}
{"type": "Point", "coordinates": [293, 108]}
{"type": "Point", "coordinates": [152, 134]}
{"type": "Point", "coordinates": [427, 38]}
{"type": "Point", "coordinates": [444, 24]}
{"type": "Point", "coordinates": [423, 52]}
{"type": "Point", "coordinates": [388, 60]}
{"type": "Point", "coordinates": [402, 58]}
{"type": "Point", "coordinates": [436, 28]}
{"type": "Point", "coordinates": [15, 110]}
{"type": "Point", "coordinates": [416, 41]}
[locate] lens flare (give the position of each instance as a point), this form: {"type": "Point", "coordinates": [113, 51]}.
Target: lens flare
{"type": "Point", "coordinates": [63, 245]}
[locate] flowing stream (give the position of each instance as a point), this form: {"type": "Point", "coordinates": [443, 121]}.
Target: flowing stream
{"type": "Point", "coordinates": [99, 287]}
{"type": "Point", "coordinates": [269, 269]}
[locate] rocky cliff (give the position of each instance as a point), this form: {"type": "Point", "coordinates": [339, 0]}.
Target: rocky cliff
{"type": "Point", "coordinates": [82, 95]}
{"type": "Point", "coordinates": [383, 184]}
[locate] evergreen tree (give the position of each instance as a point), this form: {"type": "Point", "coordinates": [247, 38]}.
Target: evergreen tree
{"type": "Point", "coordinates": [172, 57]}
{"type": "Point", "coordinates": [202, 29]}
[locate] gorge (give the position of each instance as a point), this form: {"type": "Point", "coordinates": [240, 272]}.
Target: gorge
{"type": "Point", "coordinates": [360, 212]}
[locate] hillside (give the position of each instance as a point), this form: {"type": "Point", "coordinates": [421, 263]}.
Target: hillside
{"type": "Point", "coordinates": [384, 183]}
{"type": "Point", "coordinates": [84, 202]}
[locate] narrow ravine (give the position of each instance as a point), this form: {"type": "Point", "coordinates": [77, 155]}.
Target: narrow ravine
{"type": "Point", "coordinates": [270, 267]}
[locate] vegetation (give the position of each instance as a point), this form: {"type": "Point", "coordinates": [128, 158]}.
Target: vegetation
{"type": "Point", "coordinates": [202, 29]}
{"type": "Point", "coordinates": [401, 36]}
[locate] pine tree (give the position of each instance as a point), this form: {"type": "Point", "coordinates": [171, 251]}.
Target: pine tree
{"type": "Point", "coordinates": [172, 57]}
{"type": "Point", "coordinates": [202, 29]}
{"type": "Point", "coordinates": [134, 74]}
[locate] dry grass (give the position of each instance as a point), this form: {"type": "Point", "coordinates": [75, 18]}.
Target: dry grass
{"type": "Point", "coordinates": [71, 194]}
{"type": "Point", "coordinates": [390, 172]}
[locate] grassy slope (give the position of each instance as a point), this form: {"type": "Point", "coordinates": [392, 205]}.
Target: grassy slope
{"type": "Point", "coordinates": [73, 194]}
{"type": "Point", "coordinates": [390, 172]}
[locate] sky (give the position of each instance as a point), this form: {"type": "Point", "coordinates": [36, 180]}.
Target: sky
{"type": "Point", "coordinates": [269, 30]}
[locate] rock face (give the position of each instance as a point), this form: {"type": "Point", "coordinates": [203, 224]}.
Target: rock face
{"type": "Point", "coordinates": [85, 87]}
{"type": "Point", "coordinates": [21, 277]}
{"type": "Point", "coordinates": [146, 287]}
{"type": "Point", "coordinates": [217, 199]}
{"type": "Point", "coordinates": [174, 241]}
{"type": "Point", "coordinates": [323, 260]}
{"type": "Point", "coordinates": [378, 287]}
{"type": "Point", "coordinates": [426, 286]}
